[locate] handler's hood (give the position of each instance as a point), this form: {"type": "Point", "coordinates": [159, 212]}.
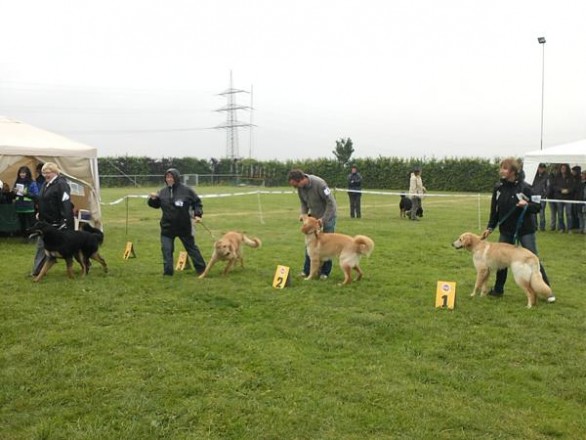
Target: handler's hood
{"type": "Point", "coordinates": [175, 173]}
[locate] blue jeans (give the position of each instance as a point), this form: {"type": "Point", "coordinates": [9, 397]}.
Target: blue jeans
{"type": "Point", "coordinates": [541, 215]}
{"type": "Point", "coordinates": [326, 267]}
{"type": "Point", "coordinates": [168, 247]}
{"type": "Point", "coordinates": [528, 242]}
{"type": "Point", "coordinates": [564, 208]}
{"type": "Point", "coordinates": [553, 210]}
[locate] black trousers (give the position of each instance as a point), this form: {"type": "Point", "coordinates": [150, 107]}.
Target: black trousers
{"type": "Point", "coordinates": [355, 204]}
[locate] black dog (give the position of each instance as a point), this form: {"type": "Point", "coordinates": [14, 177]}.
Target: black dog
{"type": "Point", "coordinates": [405, 205]}
{"type": "Point", "coordinates": [69, 245]}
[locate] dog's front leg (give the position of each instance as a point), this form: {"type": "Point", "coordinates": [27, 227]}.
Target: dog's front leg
{"type": "Point", "coordinates": [208, 267]}
{"type": "Point", "coordinates": [49, 262]}
{"type": "Point", "coordinates": [481, 280]}
{"type": "Point", "coordinates": [314, 266]}
{"type": "Point", "coordinates": [481, 276]}
{"type": "Point", "coordinates": [230, 265]}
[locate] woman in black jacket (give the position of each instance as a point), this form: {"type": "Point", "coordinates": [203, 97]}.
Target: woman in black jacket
{"type": "Point", "coordinates": [54, 207]}
{"type": "Point", "coordinates": [511, 210]}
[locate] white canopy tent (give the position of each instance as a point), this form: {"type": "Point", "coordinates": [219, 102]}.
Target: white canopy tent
{"type": "Point", "coordinates": [573, 153]}
{"type": "Point", "coordinates": [22, 144]}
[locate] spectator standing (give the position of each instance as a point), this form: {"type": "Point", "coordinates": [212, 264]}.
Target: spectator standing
{"type": "Point", "coordinates": [6, 196]}
{"type": "Point", "coordinates": [553, 205]}
{"type": "Point", "coordinates": [576, 207]}
{"type": "Point", "coordinates": [583, 205]}
{"type": "Point", "coordinates": [40, 179]}
{"type": "Point", "coordinates": [354, 192]}
{"type": "Point", "coordinates": [317, 200]}
{"type": "Point", "coordinates": [179, 204]}
{"type": "Point", "coordinates": [541, 188]}
{"type": "Point", "coordinates": [25, 195]}
{"type": "Point", "coordinates": [510, 209]}
{"type": "Point", "coordinates": [54, 207]}
{"type": "Point", "coordinates": [416, 191]}
{"type": "Point", "coordinates": [563, 190]}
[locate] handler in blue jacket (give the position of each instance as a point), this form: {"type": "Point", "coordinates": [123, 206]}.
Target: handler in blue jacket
{"type": "Point", "coordinates": [179, 204]}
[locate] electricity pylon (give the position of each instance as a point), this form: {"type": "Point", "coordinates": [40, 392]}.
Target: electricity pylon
{"type": "Point", "coordinates": [232, 123]}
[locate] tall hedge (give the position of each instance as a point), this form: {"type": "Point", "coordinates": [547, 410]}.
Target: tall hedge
{"type": "Point", "coordinates": [449, 174]}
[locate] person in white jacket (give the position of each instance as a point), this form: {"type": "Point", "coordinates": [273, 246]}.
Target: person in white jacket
{"type": "Point", "coordinates": [416, 191]}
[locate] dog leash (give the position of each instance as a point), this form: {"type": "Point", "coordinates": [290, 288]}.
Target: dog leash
{"type": "Point", "coordinates": [207, 229]}
{"type": "Point", "coordinates": [519, 223]}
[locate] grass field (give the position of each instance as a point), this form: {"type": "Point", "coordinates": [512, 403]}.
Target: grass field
{"type": "Point", "coordinates": [133, 355]}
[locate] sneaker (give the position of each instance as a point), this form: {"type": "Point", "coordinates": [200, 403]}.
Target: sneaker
{"type": "Point", "coordinates": [551, 299]}
{"type": "Point", "coordinates": [496, 294]}
{"type": "Point", "coordinates": [323, 277]}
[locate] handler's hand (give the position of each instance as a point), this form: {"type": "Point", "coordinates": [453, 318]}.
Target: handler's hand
{"type": "Point", "coordinates": [153, 195]}
{"type": "Point", "coordinates": [522, 203]}
{"type": "Point", "coordinates": [485, 234]}
{"type": "Point", "coordinates": [197, 219]}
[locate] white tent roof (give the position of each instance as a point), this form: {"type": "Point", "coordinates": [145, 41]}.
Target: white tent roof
{"type": "Point", "coordinates": [17, 136]}
{"type": "Point", "coordinates": [23, 144]}
{"type": "Point", "coordinates": [573, 153]}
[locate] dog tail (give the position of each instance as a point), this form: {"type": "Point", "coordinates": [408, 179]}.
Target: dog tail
{"type": "Point", "coordinates": [365, 244]}
{"type": "Point", "coordinates": [88, 228]}
{"type": "Point", "coordinates": [251, 241]}
{"type": "Point", "coordinates": [538, 284]}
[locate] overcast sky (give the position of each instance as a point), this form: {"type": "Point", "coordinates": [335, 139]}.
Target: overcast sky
{"type": "Point", "coordinates": [413, 78]}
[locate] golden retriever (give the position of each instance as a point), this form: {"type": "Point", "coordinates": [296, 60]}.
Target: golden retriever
{"type": "Point", "coordinates": [524, 264]}
{"type": "Point", "coordinates": [229, 248]}
{"type": "Point", "coordinates": [322, 246]}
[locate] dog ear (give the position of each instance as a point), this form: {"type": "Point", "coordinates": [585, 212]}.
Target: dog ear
{"type": "Point", "coordinates": [465, 239]}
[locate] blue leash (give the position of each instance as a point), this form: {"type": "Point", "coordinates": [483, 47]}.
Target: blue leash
{"type": "Point", "coordinates": [519, 223]}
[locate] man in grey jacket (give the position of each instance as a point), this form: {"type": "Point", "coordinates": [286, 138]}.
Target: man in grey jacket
{"type": "Point", "coordinates": [318, 201]}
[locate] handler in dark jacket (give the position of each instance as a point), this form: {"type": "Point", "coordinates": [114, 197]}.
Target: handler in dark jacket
{"type": "Point", "coordinates": [512, 209]}
{"type": "Point", "coordinates": [354, 193]}
{"type": "Point", "coordinates": [179, 204]}
{"type": "Point", "coordinates": [54, 207]}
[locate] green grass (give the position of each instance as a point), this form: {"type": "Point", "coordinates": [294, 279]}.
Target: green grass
{"type": "Point", "coordinates": [133, 355]}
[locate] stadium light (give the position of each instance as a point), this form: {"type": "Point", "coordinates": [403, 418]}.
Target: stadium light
{"type": "Point", "coordinates": [541, 41]}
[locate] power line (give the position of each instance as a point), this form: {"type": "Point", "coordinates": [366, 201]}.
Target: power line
{"type": "Point", "coordinates": [151, 130]}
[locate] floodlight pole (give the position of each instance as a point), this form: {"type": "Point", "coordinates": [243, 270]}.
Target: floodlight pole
{"type": "Point", "coordinates": [541, 41]}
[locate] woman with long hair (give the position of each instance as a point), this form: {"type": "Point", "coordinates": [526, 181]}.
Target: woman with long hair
{"type": "Point", "coordinates": [25, 196]}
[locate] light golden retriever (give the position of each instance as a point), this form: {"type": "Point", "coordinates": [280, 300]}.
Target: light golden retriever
{"type": "Point", "coordinates": [229, 248]}
{"type": "Point", "coordinates": [323, 246]}
{"type": "Point", "coordinates": [524, 264]}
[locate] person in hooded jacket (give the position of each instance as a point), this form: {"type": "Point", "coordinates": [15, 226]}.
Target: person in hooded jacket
{"type": "Point", "coordinates": [179, 204]}
{"type": "Point", "coordinates": [512, 209]}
